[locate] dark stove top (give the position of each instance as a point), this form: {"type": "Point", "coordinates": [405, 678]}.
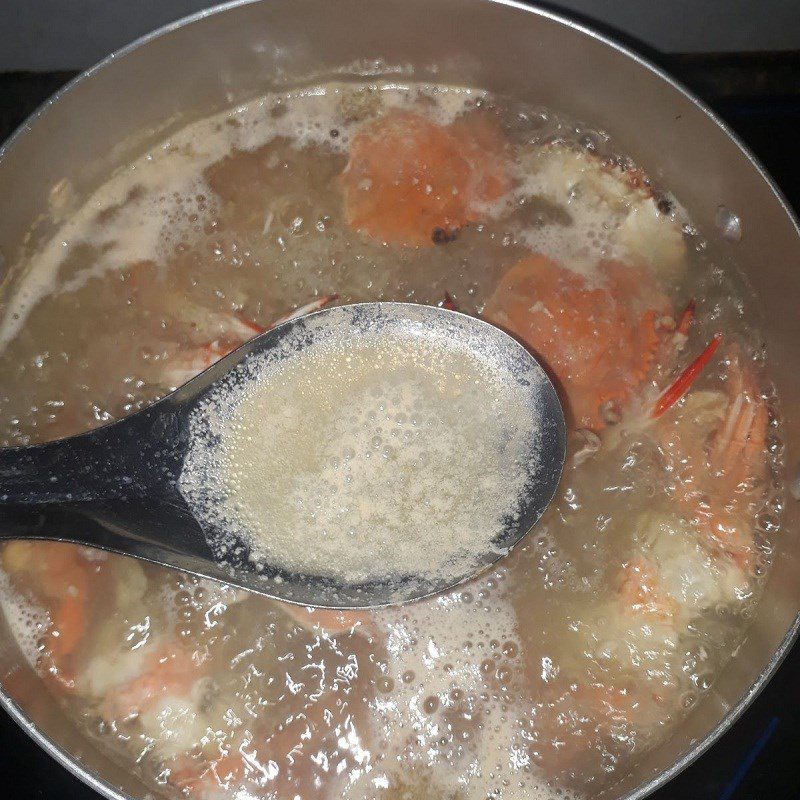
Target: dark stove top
{"type": "Point", "coordinates": [759, 96]}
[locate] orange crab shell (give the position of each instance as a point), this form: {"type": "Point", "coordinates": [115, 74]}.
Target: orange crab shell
{"type": "Point", "coordinates": [331, 621]}
{"type": "Point", "coordinates": [168, 670]}
{"type": "Point", "coordinates": [640, 592]}
{"type": "Point", "coordinates": [215, 778]}
{"type": "Point", "coordinates": [578, 715]}
{"type": "Point", "coordinates": [599, 341]}
{"type": "Point", "coordinates": [411, 182]}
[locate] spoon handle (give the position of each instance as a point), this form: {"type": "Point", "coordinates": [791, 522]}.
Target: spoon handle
{"type": "Point", "coordinates": [47, 490]}
{"type": "Point", "coordinates": [121, 477]}
{"type": "Point", "coordinates": [123, 460]}
{"type": "Point", "coordinates": [69, 470]}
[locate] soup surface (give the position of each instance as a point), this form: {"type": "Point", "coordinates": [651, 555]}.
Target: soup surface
{"type": "Point", "coordinates": [545, 677]}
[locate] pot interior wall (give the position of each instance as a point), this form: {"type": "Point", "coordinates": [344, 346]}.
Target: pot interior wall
{"type": "Point", "coordinates": [247, 49]}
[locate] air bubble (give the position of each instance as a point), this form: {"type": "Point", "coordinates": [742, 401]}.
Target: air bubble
{"type": "Point", "coordinates": [729, 224]}
{"type": "Point", "coordinates": [768, 523]}
{"type": "Point", "coordinates": [509, 649]}
{"type": "Point", "coordinates": [431, 704]}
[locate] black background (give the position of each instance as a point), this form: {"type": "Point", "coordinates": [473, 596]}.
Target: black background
{"type": "Point", "coordinates": [759, 96]}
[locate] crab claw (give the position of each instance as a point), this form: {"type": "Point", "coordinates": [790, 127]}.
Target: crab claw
{"type": "Point", "coordinates": [235, 329]}
{"type": "Point", "coordinates": [715, 447]}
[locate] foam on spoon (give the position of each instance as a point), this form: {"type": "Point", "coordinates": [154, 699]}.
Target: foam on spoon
{"type": "Point", "coordinates": [364, 458]}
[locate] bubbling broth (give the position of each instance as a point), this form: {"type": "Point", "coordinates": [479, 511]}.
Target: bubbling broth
{"type": "Point", "coordinates": [548, 676]}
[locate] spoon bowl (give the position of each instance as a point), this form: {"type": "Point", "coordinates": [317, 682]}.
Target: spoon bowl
{"type": "Point", "coordinates": [118, 487]}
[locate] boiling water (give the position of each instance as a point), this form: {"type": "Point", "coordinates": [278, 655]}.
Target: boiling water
{"type": "Point", "coordinates": [548, 675]}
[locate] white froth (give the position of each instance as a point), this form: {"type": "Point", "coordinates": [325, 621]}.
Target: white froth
{"type": "Point", "coordinates": [27, 621]}
{"type": "Point", "coordinates": [139, 213]}
{"type": "Point", "coordinates": [365, 458]}
{"type": "Point", "coordinates": [610, 215]}
{"type": "Point", "coordinates": [439, 710]}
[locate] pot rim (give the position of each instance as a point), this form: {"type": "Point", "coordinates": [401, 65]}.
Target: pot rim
{"type": "Point", "coordinates": [104, 788]}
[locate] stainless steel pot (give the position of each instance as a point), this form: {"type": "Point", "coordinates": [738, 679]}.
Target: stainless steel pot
{"type": "Point", "coordinates": [211, 60]}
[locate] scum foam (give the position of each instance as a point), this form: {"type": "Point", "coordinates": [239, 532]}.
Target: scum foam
{"type": "Point", "coordinates": [364, 458]}
{"type": "Point", "coordinates": [27, 621]}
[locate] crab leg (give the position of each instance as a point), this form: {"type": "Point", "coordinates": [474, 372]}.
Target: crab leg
{"type": "Point", "coordinates": [308, 308]}
{"type": "Point", "coordinates": [686, 378]}
{"type": "Point", "coordinates": [448, 302]}
{"type": "Point", "coordinates": [687, 317]}
{"type": "Point", "coordinates": [249, 324]}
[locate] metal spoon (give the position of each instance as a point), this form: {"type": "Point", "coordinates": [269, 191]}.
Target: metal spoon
{"type": "Point", "coordinates": [116, 487]}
